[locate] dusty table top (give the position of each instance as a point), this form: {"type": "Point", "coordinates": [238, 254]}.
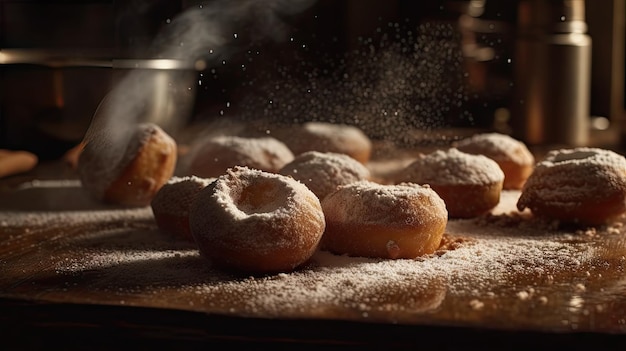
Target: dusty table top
{"type": "Point", "coordinates": [504, 272]}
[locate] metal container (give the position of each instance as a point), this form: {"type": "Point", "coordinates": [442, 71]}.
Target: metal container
{"type": "Point", "coordinates": [552, 73]}
{"type": "Point", "coordinates": [48, 98]}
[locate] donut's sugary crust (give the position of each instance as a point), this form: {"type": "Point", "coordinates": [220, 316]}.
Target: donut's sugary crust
{"type": "Point", "coordinates": [383, 221]}
{"type": "Point", "coordinates": [323, 172]}
{"type": "Point", "coordinates": [171, 204]}
{"type": "Point", "coordinates": [129, 169]}
{"type": "Point", "coordinates": [326, 137]}
{"type": "Point", "coordinates": [256, 222]}
{"type": "Point", "coordinates": [469, 184]}
{"type": "Point", "coordinates": [579, 185]}
{"type": "Point", "coordinates": [212, 157]}
{"type": "Point", "coordinates": [512, 155]}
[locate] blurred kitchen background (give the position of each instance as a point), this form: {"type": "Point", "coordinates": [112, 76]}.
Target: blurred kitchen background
{"type": "Point", "coordinates": [58, 59]}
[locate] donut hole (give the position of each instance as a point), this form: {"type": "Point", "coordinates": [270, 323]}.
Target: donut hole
{"type": "Point", "coordinates": [576, 155]}
{"type": "Point", "coordinates": [262, 196]}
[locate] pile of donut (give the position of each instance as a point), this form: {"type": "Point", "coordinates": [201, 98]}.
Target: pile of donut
{"type": "Point", "coordinates": [265, 201]}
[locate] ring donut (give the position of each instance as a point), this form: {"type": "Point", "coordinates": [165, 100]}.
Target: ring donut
{"type": "Point", "coordinates": [257, 222]}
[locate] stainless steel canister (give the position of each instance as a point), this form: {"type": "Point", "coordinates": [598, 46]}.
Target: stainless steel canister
{"type": "Point", "coordinates": [552, 72]}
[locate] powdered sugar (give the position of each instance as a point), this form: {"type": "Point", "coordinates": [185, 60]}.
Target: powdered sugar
{"type": "Point", "coordinates": [323, 172]}
{"type": "Point", "coordinates": [453, 167]}
{"type": "Point", "coordinates": [252, 210]}
{"type": "Point", "coordinates": [331, 286]}
{"type": "Point", "coordinates": [583, 155]}
{"type": "Point", "coordinates": [507, 263]}
{"type": "Point", "coordinates": [570, 179]}
{"type": "Point", "coordinates": [497, 146]}
{"type": "Point", "coordinates": [366, 202]}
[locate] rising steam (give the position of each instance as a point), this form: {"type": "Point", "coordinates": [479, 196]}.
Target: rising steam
{"type": "Point", "coordinates": [202, 33]}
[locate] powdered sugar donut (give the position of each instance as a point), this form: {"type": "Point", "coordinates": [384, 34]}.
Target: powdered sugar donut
{"type": "Point", "coordinates": [171, 204]}
{"type": "Point", "coordinates": [129, 167]}
{"type": "Point", "coordinates": [469, 184]}
{"type": "Point", "coordinates": [383, 221]}
{"type": "Point", "coordinates": [323, 172]}
{"type": "Point", "coordinates": [512, 155]}
{"type": "Point", "coordinates": [212, 157]}
{"type": "Point", "coordinates": [326, 137]}
{"type": "Point", "coordinates": [256, 222]}
{"type": "Point", "coordinates": [581, 185]}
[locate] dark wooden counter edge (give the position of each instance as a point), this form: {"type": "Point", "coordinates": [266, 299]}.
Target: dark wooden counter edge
{"type": "Point", "coordinates": [28, 325]}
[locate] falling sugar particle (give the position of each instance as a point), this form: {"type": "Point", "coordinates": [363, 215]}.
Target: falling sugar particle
{"type": "Point", "coordinates": [376, 87]}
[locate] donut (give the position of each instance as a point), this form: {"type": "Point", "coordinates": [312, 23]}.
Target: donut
{"type": "Point", "coordinates": [323, 172]}
{"type": "Point", "coordinates": [391, 221]}
{"type": "Point", "coordinates": [512, 155]}
{"type": "Point", "coordinates": [470, 185]}
{"type": "Point", "coordinates": [582, 185]}
{"type": "Point", "coordinates": [256, 222]}
{"type": "Point", "coordinates": [170, 205]}
{"type": "Point", "coordinates": [325, 137]}
{"type": "Point", "coordinates": [127, 169]}
{"type": "Point", "coordinates": [213, 156]}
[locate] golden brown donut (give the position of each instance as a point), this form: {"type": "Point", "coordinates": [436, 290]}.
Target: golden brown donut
{"type": "Point", "coordinates": [581, 185]}
{"type": "Point", "coordinates": [323, 172]}
{"type": "Point", "coordinates": [511, 155]}
{"type": "Point", "coordinates": [368, 219]}
{"type": "Point", "coordinates": [129, 169]}
{"type": "Point", "coordinates": [469, 184]}
{"type": "Point", "coordinates": [170, 205]}
{"type": "Point", "coordinates": [256, 222]}
{"type": "Point", "coordinates": [213, 156]}
{"type": "Point", "coordinates": [326, 137]}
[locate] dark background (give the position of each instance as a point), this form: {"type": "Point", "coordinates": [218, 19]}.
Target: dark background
{"type": "Point", "coordinates": [47, 109]}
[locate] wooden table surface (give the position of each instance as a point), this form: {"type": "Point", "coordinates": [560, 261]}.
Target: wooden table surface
{"type": "Point", "coordinates": [73, 271]}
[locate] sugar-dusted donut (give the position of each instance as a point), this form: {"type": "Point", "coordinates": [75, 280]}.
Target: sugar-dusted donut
{"type": "Point", "coordinates": [512, 155]}
{"type": "Point", "coordinates": [325, 137]}
{"type": "Point", "coordinates": [127, 168]}
{"type": "Point", "coordinates": [170, 206]}
{"type": "Point", "coordinates": [383, 221]}
{"type": "Point", "coordinates": [323, 172]}
{"type": "Point", "coordinates": [469, 184]}
{"type": "Point", "coordinates": [581, 185]}
{"type": "Point", "coordinates": [213, 156]}
{"type": "Point", "coordinates": [256, 222]}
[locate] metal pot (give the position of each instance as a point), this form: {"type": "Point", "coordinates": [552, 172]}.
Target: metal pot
{"type": "Point", "coordinates": [48, 98]}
